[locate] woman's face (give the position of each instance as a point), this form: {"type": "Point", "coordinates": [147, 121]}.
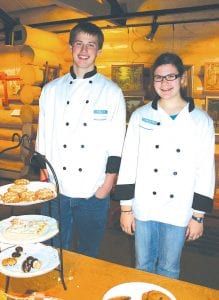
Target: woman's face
{"type": "Point", "coordinates": [167, 87]}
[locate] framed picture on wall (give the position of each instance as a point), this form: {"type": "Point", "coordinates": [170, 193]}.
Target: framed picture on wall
{"type": "Point", "coordinates": [211, 77]}
{"type": "Point", "coordinates": [129, 78]}
{"type": "Point", "coordinates": [188, 86]}
{"type": "Point", "coordinates": [212, 108]}
{"type": "Point", "coordinates": [132, 103]}
{"type": "Point", "coordinates": [51, 72]}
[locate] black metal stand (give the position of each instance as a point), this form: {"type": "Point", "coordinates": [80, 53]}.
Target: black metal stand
{"type": "Point", "coordinates": [42, 160]}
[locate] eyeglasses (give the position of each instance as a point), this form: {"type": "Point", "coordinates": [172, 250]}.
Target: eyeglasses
{"type": "Point", "coordinates": [168, 77]}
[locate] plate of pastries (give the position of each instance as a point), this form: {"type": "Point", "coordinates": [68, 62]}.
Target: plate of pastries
{"type": "Point", "coordinates": [24, 261]}
{"type": "Point", "coordinates": [138, 291]}
{"type": "Point", "coordinates": [23, 192]}
{"type": "Point", "coordinates": [27, 229]}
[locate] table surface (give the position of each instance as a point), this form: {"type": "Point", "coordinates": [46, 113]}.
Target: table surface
{"type": "Point", "coordinates": [89, 279]}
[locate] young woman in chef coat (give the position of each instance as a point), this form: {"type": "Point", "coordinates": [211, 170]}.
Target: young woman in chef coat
{"type": "Point", "coordinates": [166, 178]}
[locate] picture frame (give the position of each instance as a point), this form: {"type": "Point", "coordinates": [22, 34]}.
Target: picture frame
{"type": "Point", "coordinates": [212, 108]}
{"type": "Point", "coordinates": [51, 72]}
{"type": "Point", "coordinates": [132, 103]}
{"type": "Point", "coordinates": [129, 78]}
{"type": "Point", "coordinates": [211, 77]}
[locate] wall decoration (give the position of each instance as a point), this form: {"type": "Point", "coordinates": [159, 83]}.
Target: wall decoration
{"type": "Point", "coordinates": [132, 103]}
{"type": "Point", "coordinates": [188, 85]}
{"type": "Point", "coordinates": [211, 77]}
{"type": "Point", "coordinates": [212, 108]}
{"type": "Point", "coordinates": [51, 72]}
{"type": "Point", "coordinates": [129, 78]}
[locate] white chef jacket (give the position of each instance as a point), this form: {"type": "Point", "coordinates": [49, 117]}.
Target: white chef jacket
{"type": "Point", "coordinates": [167, 166]}
{"type": "Point", "coordinates": [81, 126]}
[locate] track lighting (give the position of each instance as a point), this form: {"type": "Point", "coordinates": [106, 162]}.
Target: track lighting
{"type": "Point", "coordinates": [154, 27]}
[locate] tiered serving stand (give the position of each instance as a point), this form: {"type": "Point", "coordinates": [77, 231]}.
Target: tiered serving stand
{"type": "Point", "coordinates": [34, 246]}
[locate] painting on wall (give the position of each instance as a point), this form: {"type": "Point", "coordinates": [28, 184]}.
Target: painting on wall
{"type": "Point", "coordinates": [51, 72]}
{"type": "Point", "coordinates": [212, 108]}
{"type": "Point", "coordinates": [211, 77]}
{"type": "Point", "coordinates": [132, 103]}
{"type": "Point", "coordinates": [129, 78]}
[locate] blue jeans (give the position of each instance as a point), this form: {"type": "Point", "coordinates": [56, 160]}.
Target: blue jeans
{"type": "Point", "coordinates": [87, 216]}
{"type": "Point", "coordinates": [158, 247]}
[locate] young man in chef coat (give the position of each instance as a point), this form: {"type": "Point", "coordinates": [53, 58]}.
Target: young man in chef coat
{"type": "Point", "coordinates": [81, 132]}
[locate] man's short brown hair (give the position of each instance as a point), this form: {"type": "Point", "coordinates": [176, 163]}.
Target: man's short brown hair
{"type": "Point", "coordinates": [88, 28]}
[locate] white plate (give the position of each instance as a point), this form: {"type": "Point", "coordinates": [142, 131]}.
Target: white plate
{"type": "Point", "coordinates": [47, 255]}
{"type": "Point", "coordinates": [50, 230]}
{"type": "Point", "coordinates": [135, 290]}
{"type": "Point", "coordinates": [32, 186]}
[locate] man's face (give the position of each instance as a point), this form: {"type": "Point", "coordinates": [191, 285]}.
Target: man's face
{"type": "Point", "coordinates": [84, 52]}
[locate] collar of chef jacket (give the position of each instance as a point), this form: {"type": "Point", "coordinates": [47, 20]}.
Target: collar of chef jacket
{"type": "Point", "coordinates": [86, 75]}
{"type": "Point", "coordinates": [188, 99]}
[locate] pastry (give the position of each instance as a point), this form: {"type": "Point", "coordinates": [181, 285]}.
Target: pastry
{"type": "Point", "coordinates": [155, 295]}
{"type": "Point", "coordinates": [44, 194]}
{"type": "Point", "coordinates": [17, 188]}
{"type": "Point", "coordinates": [9, 261]}
{"type": "Point", "coordinates": [21, 181]}
{"type": "Point", "coordinates": [27, 196]}
{"type": "Point", "coordinates": [24, 229]}
{"type": "Point", "coordinates": [11, 197]}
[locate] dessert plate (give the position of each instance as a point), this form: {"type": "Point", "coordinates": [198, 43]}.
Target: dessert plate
{"type": "Point", "coordinates": [135, 290]}
{"type": "Point", "coordinates": [47, 256]}
{"type": "Point", "coordinates": [27, 229]}
{"type": "Point", "coordinates": [32, 186]}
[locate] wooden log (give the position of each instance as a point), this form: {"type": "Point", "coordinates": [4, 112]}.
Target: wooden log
{"type": "Point", "coordinates": [8, 121]}
{"type": "Point", "coordinates": [31, 75]}
{"type": "Point", "coordinates": [7, 133]}
{"type": "Point", "coordinates": [26, 114]}
{"type": "Point", "coordinates": [38, 38]}
{"type": "Point", "coordinates": [13, 154]}
{"type": "Point", "coordinates": [29, 93]}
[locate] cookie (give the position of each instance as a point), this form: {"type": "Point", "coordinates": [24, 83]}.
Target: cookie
{"type": "Point", "coordinates": [21, 181]}
{"type": "Point", "coordinates": [9, 261]}
{"type": "Point", "coordinates": [11, 197]}
{"type": "Point", "coordinates": [17, 188]}
{"type": "Point", "coordinates": [44, 194]}
{"type": "Point", "coordinates": [27, 196]}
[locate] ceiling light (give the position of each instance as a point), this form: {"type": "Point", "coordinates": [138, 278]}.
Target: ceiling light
{"type": "Point", "coordinates": [154, 27]}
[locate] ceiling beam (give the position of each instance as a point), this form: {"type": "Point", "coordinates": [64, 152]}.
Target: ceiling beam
{"type": "Point", "coordinates": [157, 13]}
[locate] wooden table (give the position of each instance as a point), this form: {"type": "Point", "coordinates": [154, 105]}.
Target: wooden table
{"type": "Point", "coordinates": [89, 279]}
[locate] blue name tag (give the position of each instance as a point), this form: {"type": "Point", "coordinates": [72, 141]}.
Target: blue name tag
{"type": "Point", "coordinates": [149, 121]}
{"type": "Point", "coordinates": [100, 111]}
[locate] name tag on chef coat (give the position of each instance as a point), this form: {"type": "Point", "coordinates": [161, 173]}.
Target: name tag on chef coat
{"type": "Point", "coordinates": [148, 124]}
{"type": "Point", "coordinates": [100, 114]}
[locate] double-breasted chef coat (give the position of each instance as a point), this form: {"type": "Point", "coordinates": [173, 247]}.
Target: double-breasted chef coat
{"type": "Point", "coordinates": [81, 131]}
{"type": "Point", "coordinates": [167, 166]}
